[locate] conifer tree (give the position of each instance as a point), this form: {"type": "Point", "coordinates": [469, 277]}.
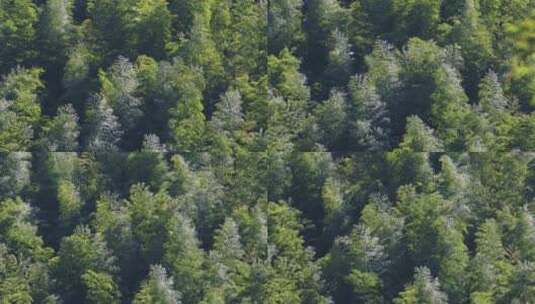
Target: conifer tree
{"type": "Point", "coordinates": [20, 108]}
{"type": "Point", "coordinates": [70, 204]}
{"type": "Point", "coordinates": [152, 27]}
{"type": "Point", "coordinates": [100, 288]}
{"type": "Point", "coordinates": [451, 182]}
{"type": "Point", "coordinates": [56, 31]}
{"type": "Point", "coordinates": [81, 252]}
{"type": "Point", "coordinates": [185, 259]}
{"type": "Point", "coordinates": [424, 289]}
{"type": "Point", "coordinates": [476, 44]}
{"type": "Point", "coordinates": [15, 168]}
{"type": "Point", "coordinates": [492, 99]}
{"type": "Point", "coordinates": [78, 70]}
{"type": "Point", "coordinates": [110, 22]}
{"type": "Point", "coordinates": [366, 260]}
{"type": "Point", "coordinates": [291, 93]}
{"type": "Point", "coordinates": [158, 288]}
{"type": "Point", "coordinates": [119, 87]}
{"type": "Point", "coordinates": [410, 162]}
{"type": "Point", "coordinates": [187, 119]}
{"type": "Point", "coordinates": [417, 18]}
{"type": "Point", "coordinates": [200, 50]}
{"type": "Point", "coordinates": [330, 117]}
{"type": "Point", "coordinates": [62, 131]}
{"type": "Point", "coordinates": [148, 165]}
{"type": "Point", "coordinates": [104, 128]}
{"type": "Point", "coordinates": [450, 109]}
{"type": "Point", "coordinates": [370, 126]}
{"type": "Point", "coordinates": [228, 117]}
{"type": "Point", "coordinates": [490, 264]}
{"type": "Point", "coordinates": [17, 33]}
{"type": "Point", "coordinates": [322, 17]}
{"type": "Point", "coordinates": [361, 30]}
{"type": "Point", "coordinates": [285, 25]}
{"type": "Point", "coordinates": [340, 60]}
{"type": "Point", "coordinates": [149, 214]}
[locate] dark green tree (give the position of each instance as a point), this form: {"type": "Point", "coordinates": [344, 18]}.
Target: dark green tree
{"type": "Point", "coordinates": [21, 110]}
{"type": "Point", "coordinates": [17, 33]}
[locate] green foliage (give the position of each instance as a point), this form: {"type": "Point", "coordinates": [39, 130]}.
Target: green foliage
{"type": "Point", "coordinates": [15, 176]}
{"type": "Point", "coordinates": [252, 151]}
{"type": "Point", "coordinates": [152, 27]}
{"type": "Point", "coordinates": [489, 265]}
{"type": "Point", "coordinates": [149, 214]}
{"type": "Point", "coordinates": [17, 33]}
{"type": "Point", "coordinates": [424, 289]}
{"type": "Point", "coordinates": [451, 182]}
{"type": "Point", "coordinates": [522, 74]}
{"type": "Point", "coordinates": [109, 22]}
{"type": "Point", "coordinates": [158, 288]}
{"type": "Point", "coordinates": [187, 121]}
{"type": "Point", "coordinates": [361, 29]}
{"type": "Point", "coordinates": [370, 125]}
{"type": "Point", "coordinates": [340, 61]}
{"type": "Point", "coordinates": [410, 162]}
{"type": "Point", "coordinates": [200, 50]}
{"type": "Point", "coordinates": [148, 166]}
{"type": "Point", "coordinates": [330, 117]}
{"type": "Point", "coordinates": [521, 291]}
{"type": "Point", "coordinates": [56, 30]}
{"type": "Point", "coordinates": [77, 72]}
{"type": "Point", "coordinates": [304, 281]}
{"type": "Point", "coordinates": [285, 77]}
{"type": "Point", "coordinates": [18, 232]}
{"type": "Point", "coordinates": [476, 44]}
{"type": "Point", "coordinates": [21, 110]}
{"type": "Point", "coordinates": [119, 87]}
{"type": "Point", "coordinates": [62, 131]}
{"type": "Point", "coordinates": [79, 253]}
{"type": "Point", "coordinates": [449, 109]}
{"type": "Point", "coordinates": [289, 85]}
{"type": "Point", "coordinates": [185, 259]}
{"type": "Point", "coordinates": [415, 18]}
{"type": "Point", "coordinates": [285, 25]}
{"type": "Point", "coordinates": [100, 288]}
{"type": "Point", "coordinates": [69, 203]}
{"type": "Point", "coordinates": [246, 43]}
{"type": "Point", "coordinates": [15, 286]}
{"type": "Point", "coordinates": [104, 128]}
{"type": "Point", "coordinates": [183, 13]}
{"type": "Point", "coordinates": [355, 264]}
{"type": "Point", "coordinates": [228, 118]}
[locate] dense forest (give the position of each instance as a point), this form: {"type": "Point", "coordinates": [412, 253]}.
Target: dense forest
{"type": "Point", "coordinates": [278, 152]}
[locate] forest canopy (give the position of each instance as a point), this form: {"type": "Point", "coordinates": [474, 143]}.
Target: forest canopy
{"type": "Point", "coordinates": [278, 152]}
